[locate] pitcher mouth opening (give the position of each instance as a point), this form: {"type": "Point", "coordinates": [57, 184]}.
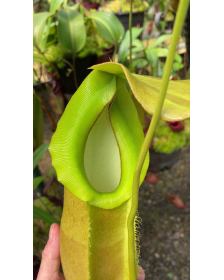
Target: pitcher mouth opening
{"type": "Point", "coordinates": [98, 166]}
{"type": "Point", "coordinates": [102, 161]}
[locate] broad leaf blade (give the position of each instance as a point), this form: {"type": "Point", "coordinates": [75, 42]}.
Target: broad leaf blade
{"type": "Point", "coordinates": [177, 102]}
{"type": "Point", "coordinates": [140, 62]}
{"type": "Point", "coordinates": [55, 4]}
{"type": "Point", "coordinates": [161, 52]}
{"type": "Point", "coordinates": [146, 90]}
{"type": "Point", "coordinates": [37, 181]}
{"type": "Point", "coordinates": [109, 26]}
{"type": "Point", "coordinates": [152, 56]}
{"type": "Point", "coordinates": [177, 66]}
{"type": "Point", "coordinates": [37, 155]}
{"type": "Point", "coordinates": [135, 33]}
{"type": "Point", "coordinates": [137, 49]}
{"type": "Point", "coordinates": [137, 46]}
{"type": "Point", "coordinates": [162, 39]}
{"type": "Point", "coordinates": [39, 23]}
{"type": "Point", "coordinates": [71, 31]}
{"type": "Point", "coordinates": [178, 58]}
{"type": "Point", "coordinates": [40, 214]}
{"type": "Point", "coordinates": [125, 43]}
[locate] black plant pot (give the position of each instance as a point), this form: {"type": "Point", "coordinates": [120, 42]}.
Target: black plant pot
{"type": "Point", "coordinates": [107, 55]}
{"type": "Point", "coordinates": [82, 71]}
{"type": "Point", "coordinates": [160, 161]}
{"type": "Point", "coordinates": [137, 19]}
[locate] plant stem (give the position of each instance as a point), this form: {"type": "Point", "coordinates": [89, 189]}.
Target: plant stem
{"type": "Point", "coordinates": [130, 30]}
{"type": "Point", "coordinates": [114, 53]}
{"type": "Point", "coordinates": [181, 13]}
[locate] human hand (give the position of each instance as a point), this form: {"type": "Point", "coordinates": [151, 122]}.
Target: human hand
{"type": "Point", "coordinates": [50, 264]}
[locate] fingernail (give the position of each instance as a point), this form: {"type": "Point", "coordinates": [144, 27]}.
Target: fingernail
{"type": "Point", "coordinates": [51, 234]}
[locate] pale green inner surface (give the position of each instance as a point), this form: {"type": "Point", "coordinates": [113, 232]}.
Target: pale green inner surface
{"type": "Point", "coordinates": [101, 157]}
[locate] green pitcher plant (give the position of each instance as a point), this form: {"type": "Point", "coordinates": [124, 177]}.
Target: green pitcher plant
{"type": "Point", "coordinates": [101, 157]}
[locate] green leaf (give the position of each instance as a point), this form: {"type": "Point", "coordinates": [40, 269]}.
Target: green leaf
{"type": "Point", "coordinates": [109, 26]}
{"type": "Point", "coordinates": [37, 181]}
{"type": "Point", "coordinates": [137, 47]}
{"type": "Point", "coordinates": [39, 58]}
{"type": "Point", "coordinates": [137, 44]}
{"type": "Point", "coordinates": [135, 33]}
{"type": "Point", "coordinates": [152, 56]}
{"type": "Point", "coordinates": [71, 31]}
{"type": "Point", "coordinates": [39, 152]}
{"type": "Point", "coordinates": [178, 58]}
{"type": "Point", "coordinates": [125, 43]}
{"type": "Point", "coordinates": [146, 90]}
{"type": "Point", "coordinates": [161, 52]}
{"type": "Point", "coordinates": [55, 4]}
{"type": "Point", "coordinates": [140, 62]}
{"type": "Point", "coordinates": [160, 69]}
{"type": "Point", "coordinates": [162, 39]}
{"type": "Point", "coordinates": [40, 214]}
{"type": "Point", "coordinates": [74, 7]}
{"type": "Point", "coordinates": [39, 23]}
{"type": "Point", "coordinates": [177, 66]}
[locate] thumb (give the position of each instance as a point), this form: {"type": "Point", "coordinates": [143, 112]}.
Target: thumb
{"type": "Point", "coordinates": [141, 273]}
{"type": "Point", "coordinates": [50, 264]}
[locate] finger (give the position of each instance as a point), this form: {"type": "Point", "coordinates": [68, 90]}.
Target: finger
{"type": "Point", "coordinates": [50, 264]}
{"type": "Point", "coordinates": [141, 273]}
